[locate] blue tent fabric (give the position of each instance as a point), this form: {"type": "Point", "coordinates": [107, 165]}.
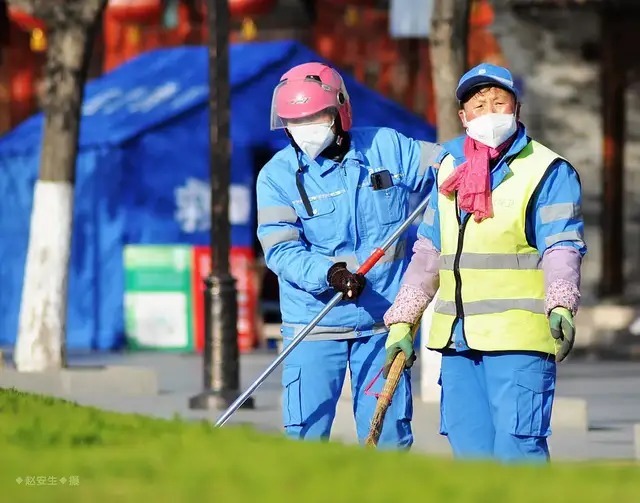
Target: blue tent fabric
{"type": "Point", "coordinates": [143, 171]}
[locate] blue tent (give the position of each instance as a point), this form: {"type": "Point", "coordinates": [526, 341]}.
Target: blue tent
{"type": "Point", "coordinates": [142, 171]}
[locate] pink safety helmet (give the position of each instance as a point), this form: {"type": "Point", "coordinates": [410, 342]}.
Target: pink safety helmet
{"type": "Point", "coordinates": [307, 89]}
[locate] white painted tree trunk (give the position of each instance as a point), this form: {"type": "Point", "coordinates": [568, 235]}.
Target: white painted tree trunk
{"type": "Point", "coordinates": [43, 310]}
{"type": "Point", "coordinates": [71, 27]}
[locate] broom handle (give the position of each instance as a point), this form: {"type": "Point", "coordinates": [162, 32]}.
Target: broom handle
{"type": "Point", "coordinates": [393, 379]}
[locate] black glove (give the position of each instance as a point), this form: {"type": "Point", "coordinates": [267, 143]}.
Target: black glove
{"type": "Point", "coordinates": [341, 280]}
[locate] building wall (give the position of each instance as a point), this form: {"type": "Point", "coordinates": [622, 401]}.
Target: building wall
{"type": "Point", "coordinates": [556, 52]}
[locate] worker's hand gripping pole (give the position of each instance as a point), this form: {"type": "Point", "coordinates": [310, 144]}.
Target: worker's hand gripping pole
{"type": "Point", "coordinates": [363, 269]}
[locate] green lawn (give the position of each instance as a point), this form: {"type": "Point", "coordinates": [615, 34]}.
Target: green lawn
{"type": "Point", "coordinates": [115, 457]}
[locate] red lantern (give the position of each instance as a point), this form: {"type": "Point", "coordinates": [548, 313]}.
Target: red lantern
{"type": "Point", "coordinates": [248, 8]}
{"type": "Point", "coordinates": [22, 89]}
{"type": "Point", "coordinates": [482, 14]}
{"type": "Point", "coordinates": [135, 11]}
{"type": "Point", "coordinates": [25, 20]}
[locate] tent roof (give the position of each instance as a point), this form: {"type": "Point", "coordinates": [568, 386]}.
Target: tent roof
{"type": "Point", "coordinates": [163, 84]}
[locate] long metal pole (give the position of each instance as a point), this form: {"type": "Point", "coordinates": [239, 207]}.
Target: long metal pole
{"type": "Point", "coordinates": [364, 268]}
{"type": "Point", "coordinates": [221, 354]}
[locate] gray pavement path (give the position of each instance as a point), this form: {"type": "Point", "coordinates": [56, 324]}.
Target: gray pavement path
{"type": "Point", "coordinates": [611, 391]}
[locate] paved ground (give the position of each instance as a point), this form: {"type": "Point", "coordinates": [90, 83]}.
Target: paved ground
{"type": "Point", "coordinates": [611, 390]}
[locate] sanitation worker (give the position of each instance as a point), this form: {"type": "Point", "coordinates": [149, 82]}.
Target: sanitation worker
{"type": "Point", "coordinates": [502, 239]}
{"type": "Point", "coordinates": [325, 203]}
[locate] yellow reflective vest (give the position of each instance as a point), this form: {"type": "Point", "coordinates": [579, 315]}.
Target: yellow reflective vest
{"type": "Point", "coordinates": [490, 276]}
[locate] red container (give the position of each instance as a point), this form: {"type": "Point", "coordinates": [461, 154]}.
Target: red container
{"type": "Point", "coordinates": [241, 261]}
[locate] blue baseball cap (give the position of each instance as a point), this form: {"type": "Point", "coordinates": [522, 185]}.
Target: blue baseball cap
{"type": "Point", "coordinates": [486, 74]}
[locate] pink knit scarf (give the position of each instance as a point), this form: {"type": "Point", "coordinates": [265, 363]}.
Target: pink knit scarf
{"type": "Point", "coordinates": [472, 178]}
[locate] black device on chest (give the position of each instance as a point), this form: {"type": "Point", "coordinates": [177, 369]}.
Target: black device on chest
{"type": "Point", "coordinates": [381, 180]}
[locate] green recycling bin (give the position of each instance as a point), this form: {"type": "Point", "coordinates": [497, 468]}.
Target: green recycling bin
{"type": "Point", "coordinates": [158, 298]}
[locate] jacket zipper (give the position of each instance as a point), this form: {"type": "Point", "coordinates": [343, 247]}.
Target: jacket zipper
{"type": "Point", "coordinates": [456, 270]}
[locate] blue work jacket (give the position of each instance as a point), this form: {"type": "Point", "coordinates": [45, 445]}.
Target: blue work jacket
{"type": "Point", "coordinates": [314, 213]}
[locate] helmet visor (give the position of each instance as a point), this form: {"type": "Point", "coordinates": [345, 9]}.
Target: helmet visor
{"type": "Point", "coordinates": [301, 102]}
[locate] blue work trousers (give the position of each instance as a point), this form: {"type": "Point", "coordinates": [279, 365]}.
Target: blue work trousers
{"type": "Point", "coordinates": [312, 379]}
{"type": "Point", "coordinates": [497, 405]}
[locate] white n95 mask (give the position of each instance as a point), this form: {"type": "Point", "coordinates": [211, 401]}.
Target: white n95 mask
{"type": "Point", "coordinates": [312, 138]}
{"type": "Point", "coordinates": [492, 129]}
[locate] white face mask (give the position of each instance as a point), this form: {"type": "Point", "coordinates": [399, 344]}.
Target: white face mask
{"type": "Point", "coordinates": [492, 129]}
{"type": "Point", "coordinates": [312, 138]}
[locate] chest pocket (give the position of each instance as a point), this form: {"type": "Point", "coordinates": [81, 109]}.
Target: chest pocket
{"type": "Point", "coordinates": [389, 204]}
{"type": "Point", "coordinates": [319, 227]}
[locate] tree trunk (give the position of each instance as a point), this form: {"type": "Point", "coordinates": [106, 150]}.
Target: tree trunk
{"type": "Point", "coordinates": [448, 44]}
{"type": "Point", "coordinates": [4, 27]}
{"type": "Point", "coordinates": [42, 325]}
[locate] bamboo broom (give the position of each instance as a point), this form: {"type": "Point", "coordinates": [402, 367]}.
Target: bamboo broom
{"type": "Point", "coordinates": [384, 398]}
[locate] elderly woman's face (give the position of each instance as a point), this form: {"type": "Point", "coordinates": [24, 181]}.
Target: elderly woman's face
{"type": "Point", "coordinates": [486, 101]}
